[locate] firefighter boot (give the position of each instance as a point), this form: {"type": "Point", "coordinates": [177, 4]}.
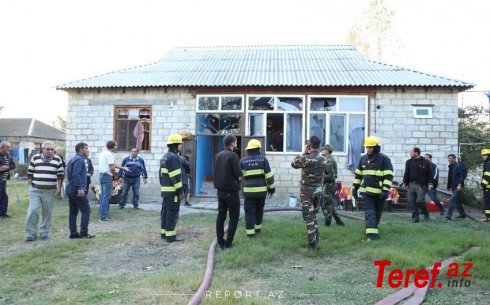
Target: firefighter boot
{"type": "Point", "coordinates": [171, 239]}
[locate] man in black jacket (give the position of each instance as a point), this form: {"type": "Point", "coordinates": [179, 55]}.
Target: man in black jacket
{"type": "Point", "coordinates": [6, 165]}
{"type": "Point", "coordinates": [227, 174]}
{"type": "Point", "coordinates": [418, 178]}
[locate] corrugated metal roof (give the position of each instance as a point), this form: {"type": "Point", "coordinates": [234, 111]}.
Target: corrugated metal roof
{"type": "Point", "coordinates": [307, 65]}
{"type": "Point", "coordinates": [27, 127]}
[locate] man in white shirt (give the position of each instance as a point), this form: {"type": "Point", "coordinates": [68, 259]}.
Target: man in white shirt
{"type": "Point", "coordinates": [107, 171]}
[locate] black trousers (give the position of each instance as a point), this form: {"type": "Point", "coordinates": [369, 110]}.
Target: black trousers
{"type": "Point", "coordinates": [4, 198]}
{"type": "Point", "coordinates": [254, 213]}
{"type": "Point", "coordinates": [169, 215]}
{"type": "Point", "coordinates": [78, 204]}
{"type": "Point", "coordinates": [228, 201]}
{"type": "Point", "coordinates": [486, 202]}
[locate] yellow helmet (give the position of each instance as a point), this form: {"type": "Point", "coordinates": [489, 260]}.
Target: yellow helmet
{"type": "Point", "coordinates": [253, 144]}
{"type": "Point", "coordinates": [371, 141]}
{"type": "Point", "coordinates": [174, 139]}
{"type": "Point", "coordinates": [485, 151]}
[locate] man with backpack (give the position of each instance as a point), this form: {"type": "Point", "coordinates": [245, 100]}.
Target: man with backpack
{"type": "Point", "coordinates": [418, 179]}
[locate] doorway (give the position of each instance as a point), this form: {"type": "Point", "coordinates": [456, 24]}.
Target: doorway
{"type": "Point", "coordinates": [207, 146]}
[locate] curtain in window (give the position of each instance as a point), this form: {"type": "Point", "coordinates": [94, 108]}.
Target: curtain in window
{"type": "Point", "coordinates": [294, 132]}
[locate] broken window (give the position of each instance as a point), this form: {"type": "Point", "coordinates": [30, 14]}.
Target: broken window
{"type": "Point", "coordinates": [280, 119]}
{"type": "Point", "coordinates": [334, 118]}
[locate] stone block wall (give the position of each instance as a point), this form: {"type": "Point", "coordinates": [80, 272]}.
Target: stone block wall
{"type": "Point", "coordinates": [91, 115]}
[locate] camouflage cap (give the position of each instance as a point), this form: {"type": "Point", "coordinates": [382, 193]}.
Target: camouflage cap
{"type": "Point", "coordinates": [328, 147]}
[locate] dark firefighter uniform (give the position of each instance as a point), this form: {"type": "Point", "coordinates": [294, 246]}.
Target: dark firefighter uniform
{"type": "Point", "coordinates": [373, 178]}
{"type": "Point", "coordinates": [259, 181]}
{"type": "Point", "coordinates": [485, 183]}
{"type": "Point", "coordinates": [171, 189]}
{"type": "Point", "coordinates": [312, 167]}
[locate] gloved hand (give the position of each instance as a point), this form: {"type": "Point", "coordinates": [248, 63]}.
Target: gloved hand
{"type": "Point", "coordinates": [383, 196]}
{"type": "Point", "coordinates": [355, 194]}
{"type": "Point", "coordinates": [271, 192]}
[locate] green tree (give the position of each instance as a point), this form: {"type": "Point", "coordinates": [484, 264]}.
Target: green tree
{"type": "Point", "coordinates": [474, 129]}
{"type": "Point", "coordinates": [60, 123]}
{"type": "Point", "coordinates": [373, 33]}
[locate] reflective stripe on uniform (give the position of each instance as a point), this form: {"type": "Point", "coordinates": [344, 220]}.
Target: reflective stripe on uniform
{"type": "Point", "coordinates": [387, 172]}
{"type": "Point", "coordinates": [178, 185]}
{"type": "Point", "coordinates": [170, 233]}
{"type": "Point", "coordinates": [250, 231]}
{"type": "Point", "coordinates": [371, 190]}
{"type": "Point", "coordinates": [372, 231]}
{"type": "Point", "coordinates": [253, 172]}
{"type": "Point", "coordinates": [487, 211]}
{"type": "Point", "coordinates": [356, 181]}
{"type": "Point", "coordinates": [257, 189]}
{"type": "Point", "coordinates": [258, 226]}
{"type": "Point", "coordinates": [269, 175]}
{"type": "Point", "coordinates": [162, 231]}
{"type": "Point", "coordinates": [174, 173]}
{"type": "Point", "coordinates": [372, 172]}
{"type": "Point", "coordinates": [163, 170]}
{"type": "Point", "coordinates": [271, 186]}
{"type": "Point", "coordinates": [176, 198]}
{"type": "Point", "coordinates": [168, 189]}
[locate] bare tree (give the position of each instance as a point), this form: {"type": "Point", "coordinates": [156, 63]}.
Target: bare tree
{"type": "Point", "coordinates": [60, 123]}
{"type": "Point", "coordinates": [373, 33]}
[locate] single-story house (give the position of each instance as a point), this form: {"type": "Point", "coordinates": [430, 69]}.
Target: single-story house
{"type": "Point", "coordinates": [281, 95]}
{"type": "Point", "coordinates": [26, 136]}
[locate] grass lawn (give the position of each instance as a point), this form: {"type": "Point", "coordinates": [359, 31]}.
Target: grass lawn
{"type": "Point", "coordinates": [128, 263]}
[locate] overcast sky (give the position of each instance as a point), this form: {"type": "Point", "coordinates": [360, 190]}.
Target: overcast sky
{"type": "Point", "coordinates": [51, 42]}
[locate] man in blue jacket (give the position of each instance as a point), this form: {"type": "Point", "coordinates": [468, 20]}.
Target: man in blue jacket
{"type": "Point", "coordinates": [455, 183]}
{"type": "Point", "coordinates": [137, 168]}
{"type": "Point", "coordinates": [77, 190]}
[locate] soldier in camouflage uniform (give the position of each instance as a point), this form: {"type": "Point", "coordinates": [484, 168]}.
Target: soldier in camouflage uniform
{"type": "Point", "coordinates": [312, 167]}
{"type": "Point", "coordinates": [328, 188]}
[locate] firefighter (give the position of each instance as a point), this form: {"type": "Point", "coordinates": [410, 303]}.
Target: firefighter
{"type": "Point", "coordinates": [329, 188]}
{"type": "Point", "coordinates": [373, 178]}
{"type": "Point", "coordinates": [259, 181]}
{"type": "Point", "coordinates": [171, 188]}
{"type": "Point", "coordinates": [485, 183]}
{"type": "Point", "coordinates": [312, 166]}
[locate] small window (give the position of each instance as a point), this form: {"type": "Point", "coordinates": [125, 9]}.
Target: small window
{"type": "Point", "coordinates": [422, 112]}
{"type": "Point", "coordinates": [132, 127]}
{"type": "Point", "coordinates": [227, 103]}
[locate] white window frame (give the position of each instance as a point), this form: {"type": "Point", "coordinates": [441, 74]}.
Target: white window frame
{"type": "Point", "coordinates": [335, 110]}
{"type": "Point", "coordinates": [422, 116]}
{"type": "Point", "coordinates": [265, 112]}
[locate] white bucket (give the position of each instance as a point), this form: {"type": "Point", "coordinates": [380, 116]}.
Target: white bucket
{"type": "Point", "coordinates": [293, 201]}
